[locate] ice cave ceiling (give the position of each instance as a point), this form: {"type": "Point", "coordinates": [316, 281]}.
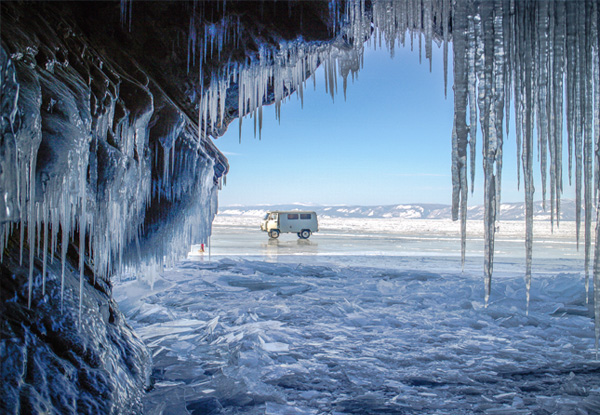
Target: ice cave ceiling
{"type": "Point", "coordinates": [108, 108]}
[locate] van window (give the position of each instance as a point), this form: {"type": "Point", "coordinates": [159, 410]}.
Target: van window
{"type": "Point", "coordinates": [305, 216]}
{"type": "Point", "coordinates": [292, 216]}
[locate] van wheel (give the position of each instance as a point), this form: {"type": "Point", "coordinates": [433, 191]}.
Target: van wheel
{"type": "Point", "coordinates": [305, 234]}
{"type": "Point", "coordinates": [274, 233]}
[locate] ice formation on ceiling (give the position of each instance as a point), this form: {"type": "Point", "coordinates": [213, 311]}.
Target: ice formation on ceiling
{"type": "Point", "coordinates": [95, 159]}
{"type": "Point", "coordinates": [540, 56]}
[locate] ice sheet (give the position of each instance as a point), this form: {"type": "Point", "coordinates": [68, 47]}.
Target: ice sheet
{"type": "Point", "coordinates": [291, 332]}
{"type": "Point", "coordinates": [239, 235]}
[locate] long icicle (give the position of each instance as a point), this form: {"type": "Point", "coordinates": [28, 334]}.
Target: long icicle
{"type": "Point", "coordinates": [460, 184]}
{"type": "Point", "coordinates": [82, 229]}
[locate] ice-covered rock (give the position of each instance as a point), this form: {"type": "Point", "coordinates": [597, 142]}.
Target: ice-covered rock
{"type": "Point", "coordinates": [53, 362]}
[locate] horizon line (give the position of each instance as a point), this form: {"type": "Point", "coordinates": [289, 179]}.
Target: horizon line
{"type": "Point", "coordinates": [238, 205]}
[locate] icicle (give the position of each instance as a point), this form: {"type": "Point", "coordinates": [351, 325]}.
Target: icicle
{"type": "Point", "coordinates": [124, 11]}
{"type": "Point", "coordinates": [260, 121]}
{"type": "Point", "coordinates": [472, 87]}
{"type": "Point", "coordinates": [330, 68]}
{"type": "Point", "coordinates": [428, 29]}
{"type": "Point", "coordinates": [31, 258]}
{"type": "Point", "coordinates": [485, 31]}
{"type": "Point", "coordinates": [586, 38]}
{"type": "Point", "coordinates": [558, 86]}
{"type": "Point", "coordinates": [22, 237]}
{"type": "Point", "coordinates": [527, 153]}
{"type": "Point", "coordinates": [509, 50]}
{"type": "Point", "coordinates": [445, 29]}
{"type": "Point", "coordinates": [596, 110]}
{"type": "Point", "coordinates": [542, 93]}
{"type": "Point", "coordinates": [548, 109]}
{"type": "Point", "coordinates": [38, 228]}
{"type": "Point", "coordinates": [240, 128]}
{"type": "Point", "coordinates": [31, 222]}
{"type": "Point", "coordinates": [45, 248]}
{"type": "Point", "coordinates": [65, 225]}
{"type": "Point", "coordinates": [459, 131]}
{"type": "Point", "coordinates": [82, 228]}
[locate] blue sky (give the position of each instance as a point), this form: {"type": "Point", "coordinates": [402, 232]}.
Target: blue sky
{"type": "Point", "coordinates": [387, 143]}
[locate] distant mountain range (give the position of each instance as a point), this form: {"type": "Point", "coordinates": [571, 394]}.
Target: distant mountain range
{"type": "Point", "coordinates": [508, 211]}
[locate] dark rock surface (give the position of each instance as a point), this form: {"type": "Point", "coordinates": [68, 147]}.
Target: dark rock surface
{"type": "Point", "coordinates": [51, 363]}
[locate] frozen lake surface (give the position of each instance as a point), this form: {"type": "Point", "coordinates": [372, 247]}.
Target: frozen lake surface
{"type": "Point", "coordinates": [363, 319]}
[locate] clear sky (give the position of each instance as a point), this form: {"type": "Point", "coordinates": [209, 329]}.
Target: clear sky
{"type": "Point", "coordinates": [389, 142]}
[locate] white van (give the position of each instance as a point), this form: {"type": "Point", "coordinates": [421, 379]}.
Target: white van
{"type": "Point", "coordinates": [304, 223]}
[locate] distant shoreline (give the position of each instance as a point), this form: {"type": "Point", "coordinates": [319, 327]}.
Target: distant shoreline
{"type": "Point", "coordinates": [508, 211]}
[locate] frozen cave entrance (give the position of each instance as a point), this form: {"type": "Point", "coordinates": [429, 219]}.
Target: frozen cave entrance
{"type": "Point", "coordinates": [107, 165]}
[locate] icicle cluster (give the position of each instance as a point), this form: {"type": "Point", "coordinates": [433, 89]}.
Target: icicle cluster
{"type": "Point", "coordinates": [88, 152]}
{"type": "Point", "coordinates": [543, 56]}
{"type": "Point", "coordinates": [276, 72]}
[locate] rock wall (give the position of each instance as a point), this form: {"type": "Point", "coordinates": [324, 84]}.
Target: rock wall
{"type": "Point", "coordinates": [54, 363]}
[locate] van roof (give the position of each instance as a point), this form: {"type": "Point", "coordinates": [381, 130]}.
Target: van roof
{"type": "Point", "coordinates": [293, 211]}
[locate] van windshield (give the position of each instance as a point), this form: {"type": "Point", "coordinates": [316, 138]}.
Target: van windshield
{"type": "Point", "coordinates": [266, 216]}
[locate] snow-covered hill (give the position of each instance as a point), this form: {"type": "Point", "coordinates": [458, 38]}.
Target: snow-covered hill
{"type": "Point", "coordinates": [508, 211]}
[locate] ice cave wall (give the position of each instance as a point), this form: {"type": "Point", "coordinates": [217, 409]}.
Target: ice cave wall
{"type": "Point", "coordinates": [79, 139]}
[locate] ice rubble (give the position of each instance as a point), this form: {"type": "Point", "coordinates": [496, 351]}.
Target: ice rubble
{"type": "Point", "coordinates": [313, 335]}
